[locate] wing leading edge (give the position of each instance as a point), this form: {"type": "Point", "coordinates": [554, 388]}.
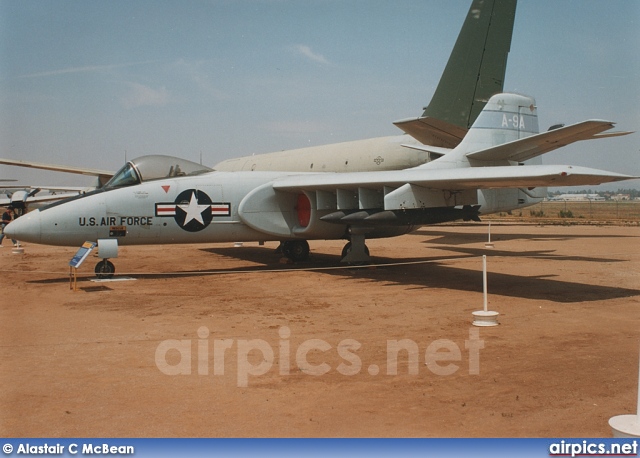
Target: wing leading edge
{"type": "Point", "coordinates": [453, 179]}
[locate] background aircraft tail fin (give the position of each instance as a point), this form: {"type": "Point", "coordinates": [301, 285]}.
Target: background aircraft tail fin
{"type": "Point", "coordinates": [477, 65]}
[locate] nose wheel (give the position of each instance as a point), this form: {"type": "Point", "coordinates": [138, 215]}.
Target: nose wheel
{"type": "Point", "coordinates": [105, 269]}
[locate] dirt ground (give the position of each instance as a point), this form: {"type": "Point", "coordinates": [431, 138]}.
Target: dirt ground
{"type": "Point", "coordinates": [95, 362]}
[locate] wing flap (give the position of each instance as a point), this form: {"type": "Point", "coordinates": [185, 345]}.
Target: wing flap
{"type": "Point", "coordinates": [536, 145]}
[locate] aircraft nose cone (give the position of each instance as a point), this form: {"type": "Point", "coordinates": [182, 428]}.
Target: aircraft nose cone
{"type": "Point", "coordinates": [26, 228]}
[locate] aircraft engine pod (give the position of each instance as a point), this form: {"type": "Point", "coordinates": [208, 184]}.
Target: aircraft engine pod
{"type": "Point", "coordinates": [285, 214]}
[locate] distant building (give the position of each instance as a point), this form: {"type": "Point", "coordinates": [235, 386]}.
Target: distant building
{"type": "Point", "coordinates": [577, 197]}
{"type": "Point", "coordinates": [620, 197]}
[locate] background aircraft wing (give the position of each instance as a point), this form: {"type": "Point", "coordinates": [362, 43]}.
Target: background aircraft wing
{"type": "Point", "coordinates": [75, 189]}
{"type": "Point", "coordinates": [535, 145]}
{"type": "Point", "coordinates": [37, 199]}
{"type": "Point", "coordinates": [529, 176]}
{"type": "Point", "coordinates": [103, 175]}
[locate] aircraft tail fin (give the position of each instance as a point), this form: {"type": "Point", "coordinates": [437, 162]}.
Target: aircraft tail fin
{"type": "Point", "coordinates": [506, 132]}
{"type": "Point", "coordinates": [477, 65]}
{"type": "Point", "coordinates": [504, 119]}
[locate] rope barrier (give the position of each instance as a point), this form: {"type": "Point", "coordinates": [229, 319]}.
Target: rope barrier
{"type": "Point", "coordinates": [253, 271]}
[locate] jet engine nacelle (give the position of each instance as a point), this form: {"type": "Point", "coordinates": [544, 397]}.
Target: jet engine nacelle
{"type": "Point", "coordinates": [284, 214]}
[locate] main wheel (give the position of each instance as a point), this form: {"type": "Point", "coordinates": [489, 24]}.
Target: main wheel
{"type": "Point", "coordinates": [347, 249]}
{"type": "Point", "coordinates": [296, 250]}
{"type": "Point", "coordinates": [105, 269]}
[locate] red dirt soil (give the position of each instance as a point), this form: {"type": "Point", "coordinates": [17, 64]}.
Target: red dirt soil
{"type": "Point", "coordinates": [563, 360]}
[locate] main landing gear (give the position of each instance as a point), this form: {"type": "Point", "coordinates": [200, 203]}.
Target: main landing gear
{"type": "Point", "coordinates": [296, 250]}
{"type": "Point", "coordinates": [355, 251]}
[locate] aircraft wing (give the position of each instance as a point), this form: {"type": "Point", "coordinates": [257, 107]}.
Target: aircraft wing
{"type": "Point", "coordinates": [433, 131]}
{"type": "Point", "coordinates": [535, 145]}
{"type": "Point", "coordinates": [103, 175]}
{"type": "Point", "coordinates": [38, 199]}
{"type": "Point", "coordinates": [529, 176]}
{"type": "Point", "coordinates": [47, 188]}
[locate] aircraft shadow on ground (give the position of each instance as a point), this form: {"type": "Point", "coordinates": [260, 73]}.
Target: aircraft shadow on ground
{"type": "Point", "coordinates": [432, 272]}
{"type": "Point", "coordinates": [551, 255]}
{"type": "Point", "coordinates": [463, 238]}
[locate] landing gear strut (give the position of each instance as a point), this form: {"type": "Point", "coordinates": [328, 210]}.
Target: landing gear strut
{"type": "Point", "coordinates": [356, 252]}
{"type": "Point", "coordinates": [105, 269]}
{"type": "Point", "coordinates": [296, 250]}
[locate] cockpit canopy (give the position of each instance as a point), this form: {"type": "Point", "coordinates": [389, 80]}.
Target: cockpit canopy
{"type": "Point", "coordinates": [154, 167]}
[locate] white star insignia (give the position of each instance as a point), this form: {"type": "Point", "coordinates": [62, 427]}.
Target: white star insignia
{"type": "Point", "coordinates": [193, 210]}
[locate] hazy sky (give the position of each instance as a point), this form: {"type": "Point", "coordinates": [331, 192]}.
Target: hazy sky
{"type": "Point", "coordinates": [85, 82]}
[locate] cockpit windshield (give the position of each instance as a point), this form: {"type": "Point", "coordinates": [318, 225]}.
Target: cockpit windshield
{"type": "Point", "coordinates": [126, 176]}
{"type": "Point", "coordinates": [155, 167]}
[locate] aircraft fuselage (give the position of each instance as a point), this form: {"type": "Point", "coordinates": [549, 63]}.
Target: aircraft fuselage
{"type": "Point", "coordinates": [213, 207]}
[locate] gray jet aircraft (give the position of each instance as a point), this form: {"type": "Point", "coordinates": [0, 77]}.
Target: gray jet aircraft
{"type": "Point", "coordinates": [162, 200]}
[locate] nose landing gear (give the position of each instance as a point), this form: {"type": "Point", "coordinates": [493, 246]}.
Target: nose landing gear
{"type": "Point", "coordinates": [105, 269]}
{"type": "Point", "coordinates": [107, 248]}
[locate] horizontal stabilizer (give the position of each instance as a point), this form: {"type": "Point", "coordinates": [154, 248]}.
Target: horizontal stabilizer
{"type": "Point", "coordinates": [536, 145]}
{"type": "Point", "coordinates": [432, 131]}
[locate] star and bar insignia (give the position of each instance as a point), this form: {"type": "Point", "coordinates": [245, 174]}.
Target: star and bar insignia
{"type": "Point", "coordinates": [193, 210]}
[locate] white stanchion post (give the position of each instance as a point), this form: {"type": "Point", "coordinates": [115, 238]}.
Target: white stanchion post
{"type": "Point", "coordinates": [485, 317]}
{"type": "Point", "coordinates": [17, 249]}
{"type": "Point", "coordinates": [489, 244]}
{"type": "Point", "coordinates": [484, 281]}
{"type": "Point", "coordinates": [627, 425]}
